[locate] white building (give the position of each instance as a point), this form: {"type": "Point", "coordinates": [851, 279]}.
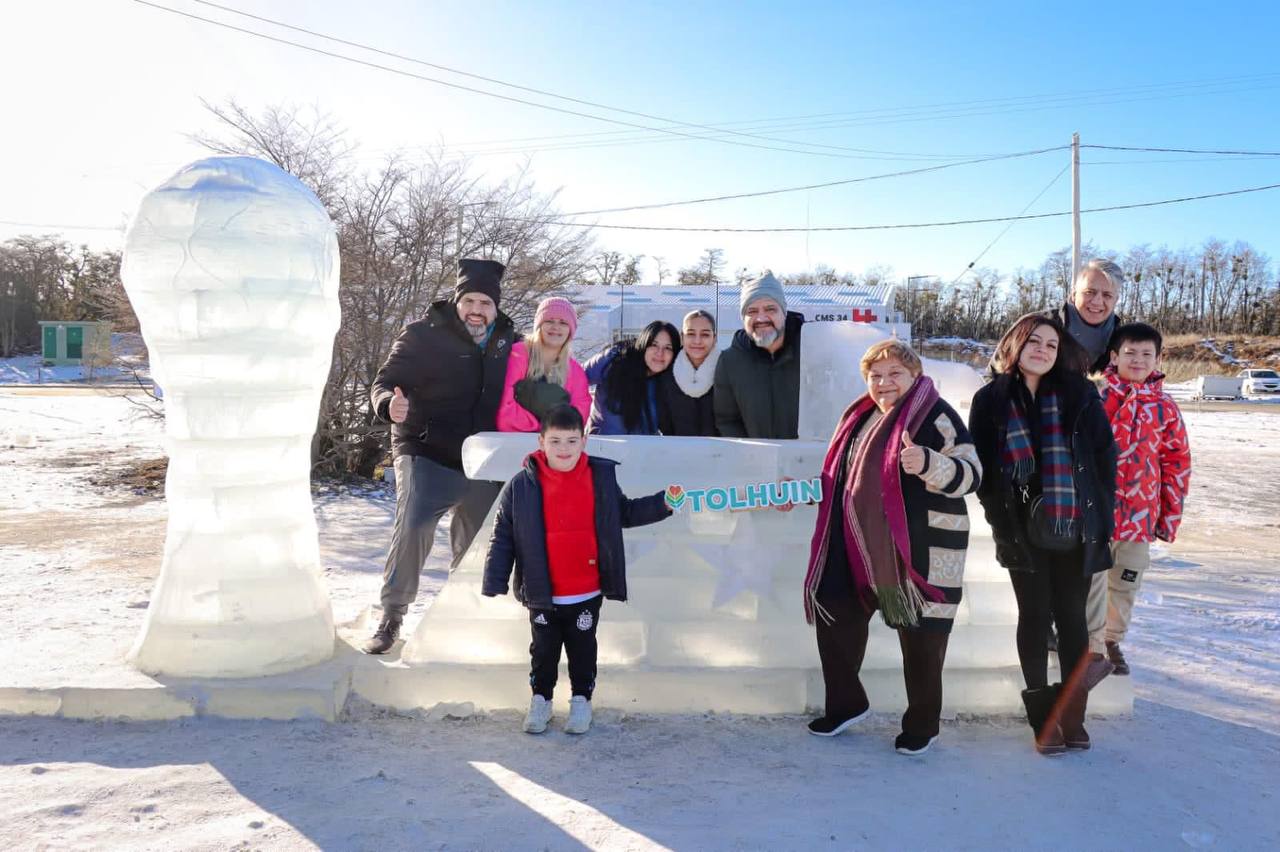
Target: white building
{"type": "Point", "coordinates": [615, 312]}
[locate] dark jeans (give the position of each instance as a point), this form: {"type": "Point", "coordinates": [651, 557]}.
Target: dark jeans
{"type": "Point", "coordinates": [572, 626]}
{"type": "Point", "coordinates": [842, 645]}
{"type": "Point", "coordinates": [1055, 592]}
{"type": "Point", "coordinates": [426, 490]}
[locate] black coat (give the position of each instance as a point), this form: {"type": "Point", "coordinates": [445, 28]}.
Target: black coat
{"type": "Point", "coordinates": [453, 388]}
{"type": "Point", "coordinates": [681, 414]}
{"type": "Point", "coordinates": [1093, 468]}
{"type": "Point", "coordinates": [758, 393]}
{"type": "Point", "coordinates": [520, 536]}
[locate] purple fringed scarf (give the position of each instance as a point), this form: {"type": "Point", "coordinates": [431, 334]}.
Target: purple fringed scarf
{"type": "Point", "coordinates": [897, 589]}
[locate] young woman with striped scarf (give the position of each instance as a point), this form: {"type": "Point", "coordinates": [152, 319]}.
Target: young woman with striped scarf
{"type": "Point", "coordinates": [1048, 493]}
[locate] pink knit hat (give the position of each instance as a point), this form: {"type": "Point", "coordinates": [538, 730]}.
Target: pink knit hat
{"type": "Point", "coordinates": [554, 307]}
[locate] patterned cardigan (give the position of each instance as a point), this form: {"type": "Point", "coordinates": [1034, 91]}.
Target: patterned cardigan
{"type": "Point", "coordinates": [937, 517]}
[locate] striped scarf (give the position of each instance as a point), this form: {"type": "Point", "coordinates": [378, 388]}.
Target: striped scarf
{"type": "Point", "coordinates": [1019, 457]}
{"type": "Point", "coordinates": [876, 532]}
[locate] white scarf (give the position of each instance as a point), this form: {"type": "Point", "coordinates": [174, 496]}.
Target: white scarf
{"type": "Point", "coordinates": [695, 381]}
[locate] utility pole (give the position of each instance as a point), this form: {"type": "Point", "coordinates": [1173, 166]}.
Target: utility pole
{"type": "Point", "coordinates": [1075, 210]}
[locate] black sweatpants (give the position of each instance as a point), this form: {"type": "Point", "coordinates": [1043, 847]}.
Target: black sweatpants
{"type": "Point", "coordinates": [572, 626]}
{"type": "Point", "coordinates": [841, 647]}
{"type": "Point", "coordinates": [1054, 593]}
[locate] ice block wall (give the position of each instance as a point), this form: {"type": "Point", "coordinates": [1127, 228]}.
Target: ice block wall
{"type": "Point", "coordinates": [232, 268]}
{"type": "Point", "coordinates": [715, 619]}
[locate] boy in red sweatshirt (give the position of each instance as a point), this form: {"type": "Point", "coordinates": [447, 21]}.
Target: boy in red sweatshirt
{"type": "Point", "coordinates": [559, 523]}
{"type": "Point", "coordinates": [1153, 473]}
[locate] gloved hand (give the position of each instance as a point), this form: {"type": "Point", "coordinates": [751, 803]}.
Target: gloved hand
{"type": "Point", "coordinates": [538, 397]}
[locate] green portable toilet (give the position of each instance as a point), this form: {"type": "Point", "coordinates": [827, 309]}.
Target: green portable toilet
{"type": "Point", "coordinates": [65, 342]}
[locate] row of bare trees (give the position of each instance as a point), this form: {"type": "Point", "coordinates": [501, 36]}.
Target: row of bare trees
{"type": "Point", "coordinates": [1212, 289]}
{"type": "Point", "coordinates": [46, 278]}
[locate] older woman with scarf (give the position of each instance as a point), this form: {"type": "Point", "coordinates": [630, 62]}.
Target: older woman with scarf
{"type": "Point", "coordinates": [541, 371]}
{"type": "Point", "coordinates": [1045, 442]}
{"type": "Point", "coordinates": [891, 535]}
{"type": "Point", "coordinates": [685, 393]}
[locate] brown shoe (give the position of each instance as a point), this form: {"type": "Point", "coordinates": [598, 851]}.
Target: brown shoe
{"type": "Point", "coordinates": [1117, 658]}
{"type": "Point", "coordinates": [385, 636]}
{"type": "Point", "coordinates": [1097, 669]}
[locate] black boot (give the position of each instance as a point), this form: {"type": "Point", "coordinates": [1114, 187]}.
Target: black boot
{"type": "Point", "coordinates": [1074, 703]}
{"type": "Point", "coordinates": [1040, 708]}
{"type": "Point", "coordinates": [385, 636]}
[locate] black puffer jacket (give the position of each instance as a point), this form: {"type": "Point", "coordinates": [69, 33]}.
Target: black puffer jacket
{"type": "Point", "coordinates": [453, 388]}
{"type": "Point", "coordinates": [1093, 466]}
{"type": "Point", "coordinates": [520, 535]}
{"type": "Point", "coordinates": [757, 394]}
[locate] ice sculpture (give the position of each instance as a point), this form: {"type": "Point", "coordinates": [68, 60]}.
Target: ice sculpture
{"type": "Point", "coordinates": [232, 268]}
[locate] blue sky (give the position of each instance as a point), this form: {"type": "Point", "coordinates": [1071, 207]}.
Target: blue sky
{"type": "Point", "coordinates": [106, 90]}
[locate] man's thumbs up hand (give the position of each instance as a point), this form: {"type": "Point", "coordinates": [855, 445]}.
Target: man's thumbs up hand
{"type": "Point", "coordinates": [399, 407]}
{"type": "Point", "coordinates": [912, 457]}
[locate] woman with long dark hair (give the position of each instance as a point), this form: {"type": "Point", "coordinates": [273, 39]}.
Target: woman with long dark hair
{"type": "Point", "coordinates": [625, 378]}
{"type": "Point", "coordinates": [1048, 493]}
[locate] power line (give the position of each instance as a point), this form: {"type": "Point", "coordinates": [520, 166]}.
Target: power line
{"type": "Point", "coordinates": [57, 227]}
{"type": "Point", "coordinates": [668, 132]}
{"type": "Point", "coordinates": [834, 119]}
{"type": "Point", "coordinates": [473, 90]}
{"type": "Point", "coordinates": [1007, 227]}
{"type": "Point", "coordinates": [826, 185]}
{"type": "Point", "coordinates": [891, 227]}
{"type": "Point", "coordinates": [530, 89]}
{"type": "Point", "coordinates": [1061, 103]}
{"type": "Point", "coordinates": [1184, 150]}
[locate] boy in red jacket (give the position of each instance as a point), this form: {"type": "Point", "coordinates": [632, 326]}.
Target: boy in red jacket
{"type": "Point", "coordinates": [1153, 473]}
{"type": "Point", "coordinates": [559, 523]}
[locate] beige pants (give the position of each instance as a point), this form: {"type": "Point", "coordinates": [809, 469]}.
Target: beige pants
{"type": "Point", "coordinates": [1112, 593]}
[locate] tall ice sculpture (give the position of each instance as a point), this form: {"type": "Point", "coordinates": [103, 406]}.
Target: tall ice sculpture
{"type": "Point", "coordinates": [232, 268]}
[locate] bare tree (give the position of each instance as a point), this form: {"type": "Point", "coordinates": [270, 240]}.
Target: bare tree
{"type": "Point", "coordinates": [707, 271]}
{"type": "Point", "coordinates": [306, 143]}
{"type": "Point", "coordinates": [662, 269]}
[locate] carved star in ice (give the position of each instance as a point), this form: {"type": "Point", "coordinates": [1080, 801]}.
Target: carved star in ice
{"type": "Point", "coordinates": [637, 546]}
{"type": "Point", "coordinates": [740, 565]}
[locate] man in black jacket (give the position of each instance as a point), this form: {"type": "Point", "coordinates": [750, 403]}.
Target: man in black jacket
{"type": "Point", "coordinates": [757, 384]}
{"type": "Point", "coordinates": [441, 383]}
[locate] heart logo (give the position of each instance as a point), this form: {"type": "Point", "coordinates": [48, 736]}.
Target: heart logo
{"type": "Point", "coordinates": [675, 497]}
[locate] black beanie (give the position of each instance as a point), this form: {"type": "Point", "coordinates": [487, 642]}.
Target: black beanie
{"type": "Point", "coordinates": [479, 276]}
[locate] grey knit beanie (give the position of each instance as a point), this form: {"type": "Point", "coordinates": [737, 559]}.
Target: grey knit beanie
{"type": "Point", "coordinates": [764, 287]}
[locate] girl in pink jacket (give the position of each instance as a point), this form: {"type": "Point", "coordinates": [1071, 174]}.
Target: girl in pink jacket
{"type": "Point", "coordinates": [541, 372]}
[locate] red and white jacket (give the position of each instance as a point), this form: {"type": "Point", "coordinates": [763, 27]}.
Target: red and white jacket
{"type": "Point", "coordinates": [1153, 467]}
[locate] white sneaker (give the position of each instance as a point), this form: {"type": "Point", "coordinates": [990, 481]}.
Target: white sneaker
{"type": "Point", "coordinates": [579, 715]}
{"type": "Point", "coordinates": [535, 721]}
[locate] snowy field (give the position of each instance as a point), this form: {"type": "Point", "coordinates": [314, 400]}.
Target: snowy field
{"type": "Point", "coordinates": [1195, 768]}
{"type": "Point", "coordinates": [128, 357]}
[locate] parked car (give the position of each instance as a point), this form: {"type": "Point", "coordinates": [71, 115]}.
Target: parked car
{"type": "Point", "coordinates": [1259, 381]}
{"type": "Point", "coordinates": [1216, 387]}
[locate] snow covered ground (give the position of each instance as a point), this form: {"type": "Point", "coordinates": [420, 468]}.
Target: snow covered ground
{"type": "Point", "coordinates": [1195, 767]}
{"type": "Point", "coordinates": [127, 350]}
